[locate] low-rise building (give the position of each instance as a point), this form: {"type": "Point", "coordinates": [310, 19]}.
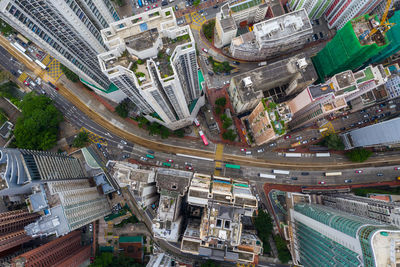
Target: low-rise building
{"type": "Point", "coordinates": [141, 183]}
{"type": "Point", "coordinates": [277, 80]}
{"type": "Point", "coordinates": [273, 37]}
{"type": "Point", "coordinates": [219, 233]}
{"type": "Point", "coordinates": [172, 186]}
{"type": "Point", "coordinates": [268, 121]}
{"type": "Point", "coordinates": [235, 15]}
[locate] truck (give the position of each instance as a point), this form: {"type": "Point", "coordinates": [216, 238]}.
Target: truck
{"type": "Point", "coordinates": [262, 63]}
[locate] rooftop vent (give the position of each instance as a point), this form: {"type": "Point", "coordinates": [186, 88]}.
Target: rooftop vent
{"type": "Point", "coordinates": [302, 63]}
{"type": "Point", "coordinates": [247, 81]}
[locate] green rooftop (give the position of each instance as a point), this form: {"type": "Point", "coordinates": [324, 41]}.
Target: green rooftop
{"type": "Point", "coordinates": [368, 75]}
{"type": "Point", "coordinates": [244, 5]}
{"type": "Point", "coordinates": [131, 239]}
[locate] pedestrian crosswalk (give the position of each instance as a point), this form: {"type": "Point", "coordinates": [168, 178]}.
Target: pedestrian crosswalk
{"type": "Point", "coordinates": [219, 152]}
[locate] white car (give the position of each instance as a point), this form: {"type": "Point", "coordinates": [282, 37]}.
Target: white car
{"type": "Point", "coordinates": [260, 150]}
{"type": "Point", "coordinates": [123, 142]}
{"type": "Point", "coordinates": [299, 138]}
{"type": "Point", "coordinates": [91, 227]}
{"type": "Point", "coordinates": [143, 158]}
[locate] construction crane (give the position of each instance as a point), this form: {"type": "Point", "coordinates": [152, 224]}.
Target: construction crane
{"type": "Point", "coordinates": [384, 25]}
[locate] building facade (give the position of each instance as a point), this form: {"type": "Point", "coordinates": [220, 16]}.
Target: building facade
{"type": "Point", "coordinates": [12, 225]}
{"type": "Point", "coordinates": [153, 61]}
{"type": "Point", "coordinates": [65, 206]}
{"type": "Point", "coordinates": [63, 251]}
{"type": "Point", "coordinates": [68, 30]}
{"type": "Point", "coordinates": [26, 167]}
{"type": "Point", "coordinates": [277, 80]}
{"type": "Point", "coordinates": [321, 235]}
{"type": "Point", "coordinates": [235, 15]}
{"type": "Point", "coordinates": [342, 11]}
{"type": "Point", "coordinates": [314, 8]}
{"type": "Point", "coordinates": [273, 37]}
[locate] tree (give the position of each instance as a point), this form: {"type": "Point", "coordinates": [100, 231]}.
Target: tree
{"type": "Point", "coordinates": [81, 140]}
{"type": "Point", "coordinates": [358, 155]}
{"type": "Point", "coordinates": [143, 121]}
{"type": "Point", "coordinates": [334, 142]}
{"type": "Point", "coordinates": [220, 102]}
{"type": "Point", "coordinates": [154, 128]}
{"type": "Point", "coordinates": [283, 252]}
{"type": "Point", "coordinates": [227, 123]}
{"type": "Point", "coordinates": [218, 110]}
{"type": "Point", "coordinates": [210, 263]}
{"type": "Point", "coordinates": [196, 2]}
{"type": "Point", "coordinates": [69, 74]}
{"type": "Point", "coordinates": [5, 28]}
{"type": "Point", "coordinates": [123, 108]}
{"type": "Point", "coordinates": [264, 226]}
{"type": "Point", "coordinates": [229, 135]}
{"type": "Point", "coordinates": [164, 131]}
{"type": "Point", "coordinates": [179, 133]}
{"type": "Point", "coordinates": [208, 29]}
{"type": "Point", "coordinates": [37, 128]}
{"type": "Point", "coordinates": [103, 260]}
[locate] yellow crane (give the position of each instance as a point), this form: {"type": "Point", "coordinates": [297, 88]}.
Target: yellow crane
{"type": "Point", "coordinates": [384, 25]}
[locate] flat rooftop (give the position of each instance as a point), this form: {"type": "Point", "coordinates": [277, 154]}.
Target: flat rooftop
{"type": "Point", "coordinates": [345, 79]}
{"type": "Point", "coordinates": [283, 26]}
{"type": "Point", "coordinates": [319, 90]}
{"type": "Point", "coordinates": [173, 180]}
{"type": "Point", "coordinates": [143, 40]}
{"type": "Point", "coordinates": [240, 5]}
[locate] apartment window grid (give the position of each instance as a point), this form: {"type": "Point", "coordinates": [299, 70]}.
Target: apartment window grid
{"type": "Point", "coordinates": [111, 9]}
{"type": "Point", "coordinates": [160, 101]}
{"type": "Point", "coordinates": [96, 13]}
{"type": "Point", "coordinates": [134, 91]}
{"type": "Point", "coordinates": [169, 91]}
{"type": "Point", "coordinates": [52, 25]}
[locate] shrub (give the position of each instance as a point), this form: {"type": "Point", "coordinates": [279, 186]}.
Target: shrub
{"type": "Point", "coordinates": [69, 73]}
{"type": "Point", "coordinates": [358, 155]}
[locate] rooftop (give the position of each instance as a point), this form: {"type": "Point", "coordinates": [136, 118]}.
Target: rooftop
{"type": "Point", "coordinates": [170, 180]}
{"type": "Point", "coordinates": [240, 5]}
{"type": "Point", "coordinates": [283, 26]}
{"type": "Point", "coordinates": [316, 91]}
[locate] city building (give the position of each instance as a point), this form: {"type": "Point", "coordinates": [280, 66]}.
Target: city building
{"type": "Point", "coordinates": [321, 235]}
{"type": "Point", "coordinates": [161, 260]}
{"type": "Point", "coordinates": [26, 167]}
{"type": "Point", "coordinates": [172, 186]}
{"type": "Point", "coordinates": [63, 251]}
{"type": "Point", "coordinates": [12, 225]}
{"type": "Point", "coordinates": [277, 80]}
{"type": "Point", "coordinates": [386, 133]}
{"type": "Point", "coordinates": [69, 31]}
{"type": "Point", "coordinates": [342, 11]}
{"type": "Point", "coordinates": [65, 206]}
{"type": "Point", "coordinates": [321, 100]}
{"type": "Point", "coordinates": [153, 61]}
{"type": "Point", "coordinates": [132, 247]}
{"type": "Point", "coordinates": [314, 8]}
{"type": "Point", "coordinates": [236, 16]}
{"type": "Point", "coordinates": [141, 183]}
{"type": "Point", "coordinates": [214, 228]}
{"type": "Point", "coordinates": [383, 211]}
{"type": "Point", "coordinates": [273, 37]}
{"type": "Point", "coordinates": [350, 48]}
{"type": "Point", "coordinates": [268, 121]}
{"type": "Point", "coordinates": [393, 86]}
{"type": "Point", "coordinates": [380, 8]}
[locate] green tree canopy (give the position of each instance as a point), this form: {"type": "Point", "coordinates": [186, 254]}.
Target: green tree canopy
{"type": "Point", "coordinates": [179, 133]}
{"type": "Point", "coordinates": [81, 140]}
{"type": "Point", "coordinates": [333, 141]}
{"type": "Point", "coordinates": [227, 123]}
{"type": "Point", "coordinates": [358, 155]}
{"type": "Point", "coordinates": [123, 108]}
{"type": "Point", "coordinates": [38, 126]}
{"type": "Point", "coordinates": [229, 135]}
{"type": "Point", "coordinates": [264, 226]}
{"type": "Point", "coordinates": [220, 102]}
{"type": "Point", "coordinates": [69, 74]}
{"type": "Point", "coordinates": [210, 263]}
{"type": "Point", "coordinates": [283, 252]}
{"type": "Point", "coordinates": [208, 28]}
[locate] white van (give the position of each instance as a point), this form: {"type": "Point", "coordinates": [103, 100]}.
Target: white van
{"type": "Point", "coordinates": [392, 106]}
{"type": "Point", "coordinates": [248, 152]}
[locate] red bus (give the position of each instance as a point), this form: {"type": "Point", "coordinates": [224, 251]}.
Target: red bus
{"type": "Point", "coordinates": [204, 138]}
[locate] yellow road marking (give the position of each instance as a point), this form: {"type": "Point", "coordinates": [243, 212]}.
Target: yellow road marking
{"type": "Point", "coordinates": [22, 77]}
{"type": "Point", "coordinates": [219, 154]}
{"type": "Point", "coordinates": [95, 138]}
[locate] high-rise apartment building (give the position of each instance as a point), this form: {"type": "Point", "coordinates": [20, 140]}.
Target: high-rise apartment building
{"type": "Point", "coordinates": [153, 61]}
{"type": "Point", "coordinates": [68, 30]}
{"type": "Point", "coordinates": [314, 8]}
{"type": "Point", "coordinates": [342, 11]}
{"type": "Point", "coordinates": [12, 225]}
{"type": "Point", "coordinates": [321, 235]}
{"type": "Point", "coordinates": [273, 37]}
{"type": "Point", "coordinates": [25, 167]}
{"type": "Point", "coordinates": [65, 206]}
{"type": "Point", "coordinates": [63, 251]}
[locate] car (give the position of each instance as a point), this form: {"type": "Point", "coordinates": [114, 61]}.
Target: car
{"type": "Point", "coordinates": [150, 151]}
{"type": "Point", "coordinates": [352, 125]}
{"type": "Point", "coordinates": [170, 160]}
{"type": "Point", "coordinates": [164, 3]}
{"type": "Point", "coordinates": [293, 178]}
{"type": "Point", "coordinates": [243, 149]}
{"type": "Point", "coordinates": [382, 105]}
{"type": "Point", "coordinates": [359, 123]}
{"type": "Point", "coordinates": [304, 142]}
{"type": "Point", "coordinates": [288, 136]}
{"type": "Point", "coordinates": [125, 156]}
{"type": "Point", "coordinates": [143, 158]}
{"type": "Point", "coordinates": [210, 73]}
{"type": "Point", "coordinates": [345, 117]}
{"type": "Point", "coordinates": [176, 7]}
{"type": "Point", "coordinates": [348, 181]}
{"type": "Point", "coordinates": [378, 110]}
{"type": "Point", "coordinates": [188, 163]}
{"type": "Point", "coordinates": [204, 50]}
{"type": "Point", "coordinates": [343, 128]}
{"type": "Point", "coordinates": [305, 173]}
{"type": "Point", "coordinates": [358, 171]}
{"type": "Point", "coordinates": [155, 5]}
{"type": "Point", "coordinates": [258, 198]}
{"type": "Point", "coordinates": [261, 150]}
{"type": "Point", "coordinates": [388, 113]}
{"type": "Point", "coordinates": [379, 174]}
{"type": "Point", "coordinates": [227, 82]}
{"type": "Point", "coordinates": [299, 138]}
{"type": "Point", "coordinates": [313, 139]}
{"type": "Point", "coordinates": [366, 115]}
{"type": "Point", "coordinates": [26, 83]}
{"type": "Point", "coordinates": [272, 145]}
{"type": "Point", "coordinates": [292, 149]}
{"type": "Point", "coordinates": [321, 35]}
{"type": "Point", "coordinates": [216, 6]}
{"type": "Point", "coordinates": [206, 61]}
{"type": "Point", "coordinates": [236, 62]}
{"type": "Point", "coordinates": [91, 227]}
{"type": "Point", "coordinates": [362, 111]}
{"type": "Point", "coordinates": [396, 168]}
{"type": "Point", "coordinates": [321, 182]}
{"type": "Point", "coordinates": [189, 168]}
{"type": "Point", "coordinates": [124, 142]}
{"type": "Point", "coordinates": [187, 4]}
{"type": "Point", "coordinates": [248, 152]}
